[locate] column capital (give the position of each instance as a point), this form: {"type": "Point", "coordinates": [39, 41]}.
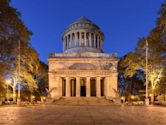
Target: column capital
{"type": "Point", "coordinates": [88, 77]}
{"type": "Point", "coordinates": [67, 78]}
{"type": "Point", "coordinates": [98, 77]}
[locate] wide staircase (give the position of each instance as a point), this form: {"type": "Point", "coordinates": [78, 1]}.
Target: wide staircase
{"type": "Point", "coordinates": [83, 101]}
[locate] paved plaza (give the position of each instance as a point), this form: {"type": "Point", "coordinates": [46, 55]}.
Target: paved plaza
{"type": "Point", "coordinates": [82, 115]}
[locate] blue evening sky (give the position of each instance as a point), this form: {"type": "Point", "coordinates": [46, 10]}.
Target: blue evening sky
{"type": "Point", "coordinates": [122, 21]}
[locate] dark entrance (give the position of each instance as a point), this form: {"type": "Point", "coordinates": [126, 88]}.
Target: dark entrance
{"type": "Point", "coordinates": [93, 87]}
{"type": "Point", "coordinates": [73, 87]}
{"type": "Point", "coordinates": [63, 87]}
{"type": "Point", "coordinates": [83, 87]}
{"type": "Point", "coordinates": [83, 90]}
{"type": "Point", "coordinates": [102, 87]}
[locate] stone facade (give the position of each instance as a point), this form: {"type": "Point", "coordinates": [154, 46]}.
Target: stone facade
{"type": "Point", "coordinates": [82, 69]}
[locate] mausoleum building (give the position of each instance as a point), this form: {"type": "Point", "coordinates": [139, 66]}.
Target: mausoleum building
{"type": "Point", "coordinates": [83, 69]}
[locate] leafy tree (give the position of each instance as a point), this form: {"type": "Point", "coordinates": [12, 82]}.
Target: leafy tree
{"type": "Point", "coordinates": [131, 76]}
{"type": "Point", "coordinates": [157, 54]}
{"type": "Point", "coordinates": [13, 30]}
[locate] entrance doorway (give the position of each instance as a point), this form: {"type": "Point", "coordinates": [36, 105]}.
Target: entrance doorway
{"type": "Point", "coordinates": [93, 87]}
{"type": "Point", "coordinates": [63, 87]}
{"type": "Point", "coordinates": [102, 87]}
{"type": "Point", "coordinates": [73, 87]}
{"type": "Point", "coordinates": [83, 87]}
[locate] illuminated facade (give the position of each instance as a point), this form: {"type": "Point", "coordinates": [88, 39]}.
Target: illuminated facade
{"type": "Point", "coordinates": [83, 69]}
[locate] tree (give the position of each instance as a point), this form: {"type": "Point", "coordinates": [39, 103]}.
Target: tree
{"type": "Point", "coordinates": [13, 30]}
{"type": "Point", "coordinates": [131, 75]}
{"type": "Point", "coordinates": [157, 54]}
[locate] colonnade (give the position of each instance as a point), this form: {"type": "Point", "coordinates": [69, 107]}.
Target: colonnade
{"type": "Point", "coordinates": [82, 39]}
{"type": "Point", "coordinates": [100, 86]}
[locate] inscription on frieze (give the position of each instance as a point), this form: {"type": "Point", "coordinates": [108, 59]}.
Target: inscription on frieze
{"type": "Point", "coordinates": [83, 72]}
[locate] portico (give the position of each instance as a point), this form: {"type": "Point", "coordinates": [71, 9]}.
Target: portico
{"type": "Point", "coordinates": [82, 86]}
{"type": "Point", "coordinates": [85, 83]}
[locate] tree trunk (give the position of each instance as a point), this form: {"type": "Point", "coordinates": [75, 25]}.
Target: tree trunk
{"type": "Point", "coordinates": [14, 93]}
{"type": "Point", "coordinates": [152, 97]}
{"type": "Point", "coordinates": [14, 89]}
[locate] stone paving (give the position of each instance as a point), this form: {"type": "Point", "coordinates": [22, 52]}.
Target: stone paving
{"type": "Point", "coordinates": [82, 115]}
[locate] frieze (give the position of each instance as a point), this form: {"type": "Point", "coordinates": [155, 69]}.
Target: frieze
{"type": "Point", "coordinates": [84, 73]}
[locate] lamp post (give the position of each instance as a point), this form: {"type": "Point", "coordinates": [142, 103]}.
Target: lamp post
{"type": "Point", "coordinates": [18, 80]}
{"type": "Point", "coordinates": [146, 98]}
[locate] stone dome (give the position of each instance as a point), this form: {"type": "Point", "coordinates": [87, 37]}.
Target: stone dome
{"type": "Point", "coordinates": [83, 36]}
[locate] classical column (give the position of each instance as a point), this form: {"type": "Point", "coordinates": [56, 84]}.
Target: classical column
{"type": "Point", "coordinates": [77, 86]}
{"type": "Point", "coordinates": [64, 43]}
{"type": "Point", "coordinates": [60, 86]}
{"type": "Point", "coordinates": [101, 44]}
{"type": "Point", "coordinates": [87, 38]}
{"type": "Point", "coordinates": [98, 42]}
{"type": "Point", "coordinates": [94, 39]}
{"type": "Point", "coordinates": [75, 39]}
{"type": "Point", "coordinates": [87, 86]}
{"type": "Point", "coordinates": [84, 39]}
{"type": "Point", "coordinates": [67, 87]}
{"type": "Point", "coordinates": [71, 40]}
{"type": "Point", "coordinates": [68, 41]}
{"type": "Point", "coordinates": [98, 87]}
{"type": "Point", "coordinates": [90, 40]}
{"type": "Point", "coordinates": [80, 39]}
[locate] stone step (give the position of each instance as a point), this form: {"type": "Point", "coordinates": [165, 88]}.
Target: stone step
{"type": "Point", "coordinates": [83, 101]}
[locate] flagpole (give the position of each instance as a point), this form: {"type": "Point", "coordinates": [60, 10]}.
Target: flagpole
{"type": "Point", "coordinates": [146, 98]}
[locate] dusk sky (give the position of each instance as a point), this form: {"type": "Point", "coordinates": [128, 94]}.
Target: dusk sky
{"type": "Point", "coordinates": [122, 21]}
